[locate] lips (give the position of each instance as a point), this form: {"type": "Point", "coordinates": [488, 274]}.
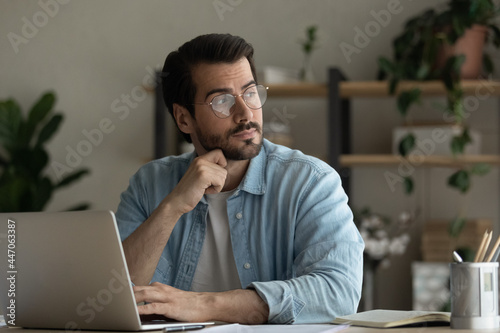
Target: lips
{"type": "Point", "coordinates": [245, 131]}
{"type": "Point", "coordinates": [246, 134]}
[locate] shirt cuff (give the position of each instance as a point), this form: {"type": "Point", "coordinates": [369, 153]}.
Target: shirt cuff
{"type": "Point", "coordinates": [283, 306]}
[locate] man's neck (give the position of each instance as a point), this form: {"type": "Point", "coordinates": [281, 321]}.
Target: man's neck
{"type": "Point", "coordinates": [236, 170]}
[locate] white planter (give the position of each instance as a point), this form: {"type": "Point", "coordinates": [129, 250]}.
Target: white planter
{"type": "Point", "coordinates": [278, 75]}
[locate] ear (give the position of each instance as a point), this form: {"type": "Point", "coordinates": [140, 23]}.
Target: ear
{"type": "Point", "coordinates": [183, 119]}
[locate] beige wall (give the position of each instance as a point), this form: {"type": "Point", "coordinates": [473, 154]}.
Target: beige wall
{"type": "Point", "coordinates": [96, 53]}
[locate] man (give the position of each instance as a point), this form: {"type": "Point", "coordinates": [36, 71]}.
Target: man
{"type": "Point", "coordinates": [241, 230]}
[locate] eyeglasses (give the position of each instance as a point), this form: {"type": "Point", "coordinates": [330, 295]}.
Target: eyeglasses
{"type": "Point", "coordinates": [254, 97]}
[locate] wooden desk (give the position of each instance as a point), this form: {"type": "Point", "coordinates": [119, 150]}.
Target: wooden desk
{"type": "Point", "coordinates": [288, 328]}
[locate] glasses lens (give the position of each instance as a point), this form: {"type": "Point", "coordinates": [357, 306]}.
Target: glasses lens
{"type": "Point", "coordinates": [222, 105]}
{"type": "Point", "coordinates": [255, 96]}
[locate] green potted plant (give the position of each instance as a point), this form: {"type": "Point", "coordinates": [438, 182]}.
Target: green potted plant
{"type": "Point", "coordinates": [309, 44]}
{"type": "Point", "coordinates": [23, 157]}
{"type": "Point", "coordinates": [423, 52]}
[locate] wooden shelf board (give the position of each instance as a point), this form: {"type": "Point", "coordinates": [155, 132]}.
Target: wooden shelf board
{"type": "Point", "coordinates": [435, 161]}
{"type": "Point", "coordinates": [481, 88]}
{"type": "Point", "coordinates": [298, 90]}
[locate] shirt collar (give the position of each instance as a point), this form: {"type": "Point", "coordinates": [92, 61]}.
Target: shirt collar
{"type": "Point", "coordinates": [255, 181]}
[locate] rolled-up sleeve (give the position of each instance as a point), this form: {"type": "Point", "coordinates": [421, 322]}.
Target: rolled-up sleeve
{"type": "Point", "coordinates": [328, 264]}
{"type": "Point", "coordinates": [131, 211]}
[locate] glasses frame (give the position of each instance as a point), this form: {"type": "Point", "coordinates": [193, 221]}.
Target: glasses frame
{"type": "Point", "coordinates": [231, 109]}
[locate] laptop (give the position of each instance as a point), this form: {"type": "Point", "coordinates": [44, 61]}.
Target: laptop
{"type": "Point", "coordinates": [67, 270]}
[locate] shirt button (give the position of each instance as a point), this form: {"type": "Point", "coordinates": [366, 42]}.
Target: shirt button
{"type": "Point", "coordinates": [239, 216]}
{"type": "Point", "coordinates": [247, 265]}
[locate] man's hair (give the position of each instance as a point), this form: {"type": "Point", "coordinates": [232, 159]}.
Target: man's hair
{"type": "Point", "coordinates": [177, 80]}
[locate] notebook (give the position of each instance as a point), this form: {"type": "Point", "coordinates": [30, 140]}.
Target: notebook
{"type": "Point", "coordinates": [67, 270]}
{"type": "Point", "coordinates": [380, 318]}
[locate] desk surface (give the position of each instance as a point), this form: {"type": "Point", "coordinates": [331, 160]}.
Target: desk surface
{"type": "Point", "coordinates": [292, 329]}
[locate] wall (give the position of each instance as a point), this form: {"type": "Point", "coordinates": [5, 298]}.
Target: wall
{"type": "Point", "coordinates": [96, 55]}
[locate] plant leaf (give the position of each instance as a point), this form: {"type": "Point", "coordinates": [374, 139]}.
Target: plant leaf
{"type": "Point", "coordinates": [82, 206]}
{"type": "Point", "coordinates": [458, 61]}
{"type": "Point", "coordinates": [480, 169]}
{"type": "Point", "coordinates": [460, 180]}
{"type": "Point", "coordinates": [406, 144]}
{"type": "Point", "coordinates": [406, 99]}
{"type": "Point", "coordinates": [496, 34]}
{"type": "Point", "coordinates": [72, 177]}
{"type": "Point", "coordinates": [466, 253]}
{"type": "Point", "coordinates": [408, 185]}
{"type": "Point", "coordinates": [423, 71]}
{"type": "Point", "coordinates": [459, 142]}
{"type": "Point", "coordinates": [10, 120]}
{"type": "Point", "coordinates": [393, 84]}
{"type": "Point", "coordinates": [41, 192]}
{"type": "Point", "coordinates": [448, 81]}
{"type": "Point", "coordinates": [456, 226]}
{"type": "Point", "coordinates": [456, 146]}
{"type": "Point", "coordinates": [12, 189]}
{"type": "Point", "coordinates": [29, 162]}
{"type": "Point", "coordinates": [386, 65]}
{"type": "Point", "coordinates": [49, 129]}
{"type": "Point", "coordinates": [488, 65]}
{"type": "Point", "coordinates": [42, 108]}
{"type": "Point", "coordinates": [36, 116]}
{"type": "Point", "coordinates": [3, 161]}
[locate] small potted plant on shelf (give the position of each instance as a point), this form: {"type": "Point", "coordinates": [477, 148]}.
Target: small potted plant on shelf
{"type": "Point", "coordinates": [24, 186]}
{"type": "Point", "coordinates": [309, 44]}
{"type": "Point", "coordinates": [445, 45]}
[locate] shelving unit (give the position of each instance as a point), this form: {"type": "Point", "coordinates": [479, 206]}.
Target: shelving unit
{"type": "Point", "coordinates": [428, 161]}
{"type": "Point", "coordinates": [339, 92]}
{"type": "Point", "coordinates": [349, 89]}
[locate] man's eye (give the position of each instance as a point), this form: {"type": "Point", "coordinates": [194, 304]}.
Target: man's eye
{"type": "Point", "coordinates": [250, 93]}
{"type": "Point", "coordinates": [222, 100]}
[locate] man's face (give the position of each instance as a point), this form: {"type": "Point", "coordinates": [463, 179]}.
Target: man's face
{"type": "Point", "coordinates": [240, 135]}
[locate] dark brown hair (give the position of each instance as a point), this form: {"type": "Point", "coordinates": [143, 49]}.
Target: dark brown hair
{"type": "Point", "coordinates": [177, 82]}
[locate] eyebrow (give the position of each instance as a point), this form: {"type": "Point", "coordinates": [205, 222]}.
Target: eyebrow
{"type": "Point", "coordinates": [227, 90]}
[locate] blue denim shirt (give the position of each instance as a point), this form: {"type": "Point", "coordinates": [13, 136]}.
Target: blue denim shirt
{"type": "Point", "coordinates": [292, 233]}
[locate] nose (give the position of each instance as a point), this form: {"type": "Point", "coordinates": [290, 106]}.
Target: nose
{"type": "Point", "coordinates": [242, 113]}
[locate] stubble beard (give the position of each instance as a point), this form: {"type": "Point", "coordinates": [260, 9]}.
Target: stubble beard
{"type": "Point", "coordinates": [250, 149]}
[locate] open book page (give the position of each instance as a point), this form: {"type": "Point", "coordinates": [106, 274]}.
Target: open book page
{"type": "Point", "coordinates": [392, 318]}
{"type": "Point", "coordinates": [306, 328]}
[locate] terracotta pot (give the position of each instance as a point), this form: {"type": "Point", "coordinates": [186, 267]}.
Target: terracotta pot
{"type": "Point", "coordinates": [471, 44]}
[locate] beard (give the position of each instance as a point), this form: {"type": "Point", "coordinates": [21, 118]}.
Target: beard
{"type": "Point", "coordinates": [250, 149]}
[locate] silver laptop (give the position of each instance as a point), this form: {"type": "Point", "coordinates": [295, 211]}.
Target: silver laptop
{"type": "Point", "coordinates": [67, 271]}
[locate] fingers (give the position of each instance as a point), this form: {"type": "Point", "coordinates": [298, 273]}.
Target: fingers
{"type": "Point", "coordinates": [216, 156]}
{"type": "Point", "coordinates": [210, 176]}
{"type": "Point", "coordinates": [211, 171]}
{"type": "Point", "coordinates": [147, 309]}
{"type": "Point", "coordinates": [220, 174]}
{"type": "Point", "coordinates": [205, 175]}
{"type": "Point", "coordinates": [164, 300]}
{"type": "Point", "coordinates": [151, 293]}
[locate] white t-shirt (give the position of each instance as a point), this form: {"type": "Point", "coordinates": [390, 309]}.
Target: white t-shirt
{"type": "Point", "coordinates": [216, 270]}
